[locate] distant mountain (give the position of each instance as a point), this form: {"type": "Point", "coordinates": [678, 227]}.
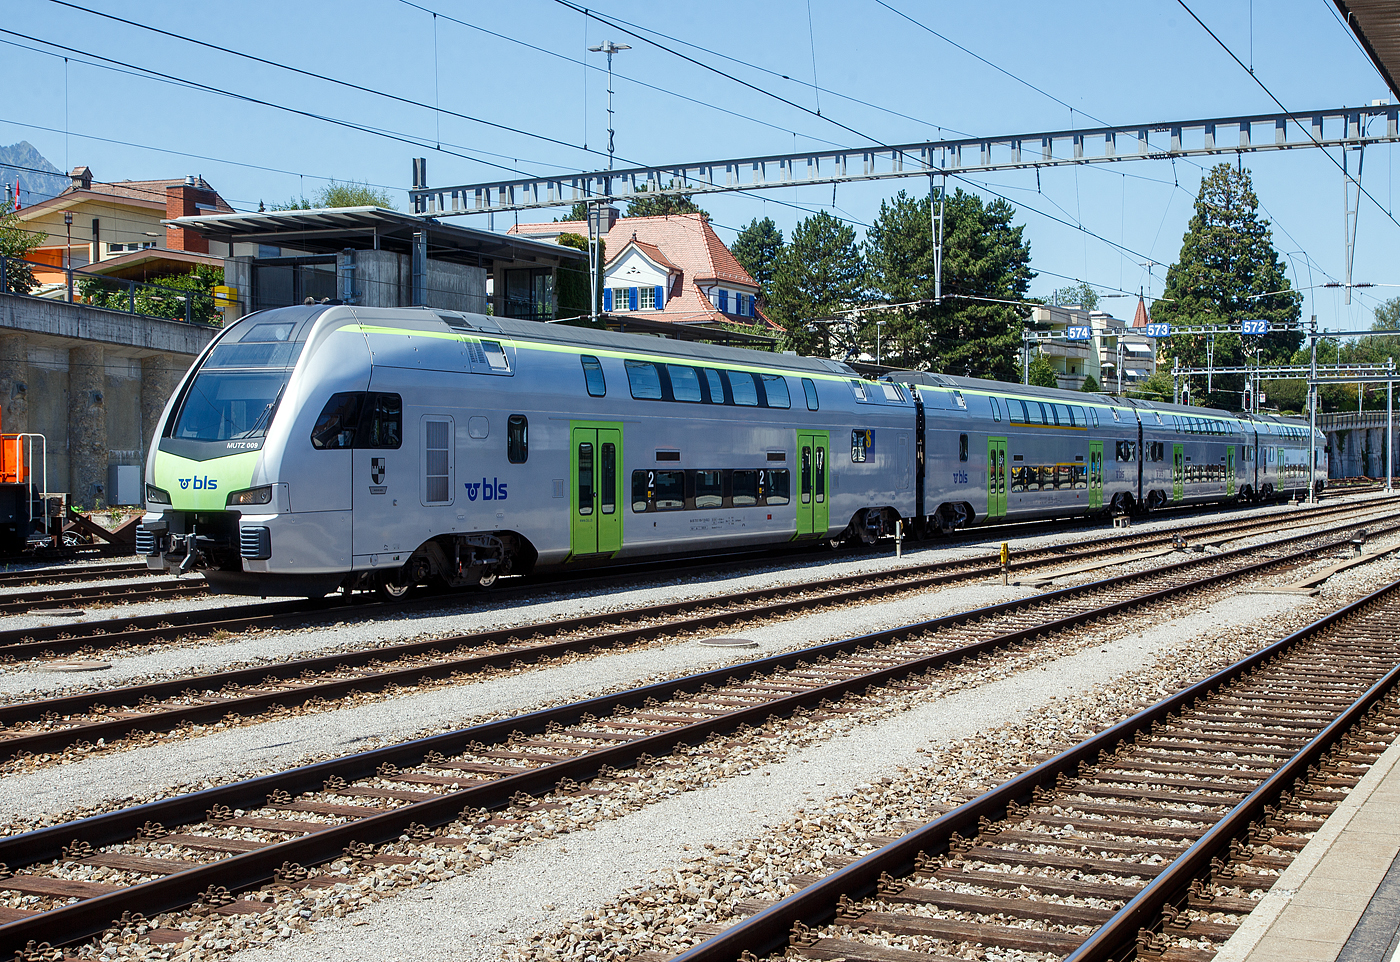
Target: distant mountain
{"type": "Point", "coordinates": [22, 160]}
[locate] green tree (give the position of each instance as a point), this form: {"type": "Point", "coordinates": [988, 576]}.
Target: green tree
{"type": "Point", "coordinates": [16, 241]}
{"type": "Point", "coordinates": [1157, 386]}
{"type": "Point", "coordinates": [1228, 271]}
{"type": "Point", "coordinates": [1081, 294]}
{"type": "Point", "coordinates": [984, 256]}
{"type": "Point", "coordinates": [819, 272]}
{"type": "Point", "coordinates": [1387, 316]}
{"type": "Point", "coordinates": [160, 296]}
{"type": "Point", "coordinates": [757, 248]}
{"type": "Point", "coordinates": [639, 205]}
{"type": "Point", "coordinates": [1090, 385]}
{"type": "Point", "coordinates": [1042, 374]}
{"type": "Point", "coordinates": [572, 289]}
{"type": "Point", "coordinates": [338, 194]}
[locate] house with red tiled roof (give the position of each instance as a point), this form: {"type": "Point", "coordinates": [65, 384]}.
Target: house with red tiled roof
{"type": "Point", "coordinates": [671, 267]}
{"type": "Point", "coordinates": [116, 227]}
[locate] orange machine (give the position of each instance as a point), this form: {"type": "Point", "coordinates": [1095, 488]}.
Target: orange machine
{"type": "Point", "coordinates": [12, 467]}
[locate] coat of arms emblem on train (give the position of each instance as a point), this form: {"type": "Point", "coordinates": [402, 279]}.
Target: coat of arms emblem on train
{"type": "Point", "coordinates": [376, 470]}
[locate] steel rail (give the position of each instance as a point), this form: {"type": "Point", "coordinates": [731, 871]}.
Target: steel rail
{"type": "Point", "coordinates": [57, 574]}
{"type": "Point", "coordinates": [216, 707]}
{"type": "Point", "coordinates": [58, 640]}
{"type": "Point", "coordinates": [83, 919]}
{"type": "Point", "coordinates": [768, 930]}
{"type": "Point", "coordinates": [22, 602]}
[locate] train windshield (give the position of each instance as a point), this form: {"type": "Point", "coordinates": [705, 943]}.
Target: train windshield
{"type": "Point", "coordinates": [235, 394]}
{"type": "Point", "coordinates": [226, 406]}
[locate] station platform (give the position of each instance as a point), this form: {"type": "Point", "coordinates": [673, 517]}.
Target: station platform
{"type": "Point", "coordinates": [1340, 899]}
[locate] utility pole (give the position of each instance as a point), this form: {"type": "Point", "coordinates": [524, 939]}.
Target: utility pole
{"type": "Point", "coordinates": [937, 219]}
{"type": "Point", "coordinates": [1312, 412]}
{"type": "Point", "coordinates": [610, 48]}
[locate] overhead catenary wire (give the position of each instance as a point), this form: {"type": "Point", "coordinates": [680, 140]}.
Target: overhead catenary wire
{"type": "Point", "coordinates": [197, 85]}
{"type": "Point", "coordinates": [437, 109]}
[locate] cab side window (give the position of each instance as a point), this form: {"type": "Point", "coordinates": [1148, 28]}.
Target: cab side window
{"type": "Point", "coordinates": [335, 427]}
{"type": "Point", "coordinates": [382, 423]}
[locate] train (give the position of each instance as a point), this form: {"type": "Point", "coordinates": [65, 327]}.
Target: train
{"type": "Point", "coordinates": [331, 447]}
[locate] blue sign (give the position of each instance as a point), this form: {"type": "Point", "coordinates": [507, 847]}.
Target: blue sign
{"type": "Point", "coordinates": [1254, 327]}
{"type": "Point", "coordinates": [1159, 330]}
{"type": "Point", "coordinates": [1079, 333]}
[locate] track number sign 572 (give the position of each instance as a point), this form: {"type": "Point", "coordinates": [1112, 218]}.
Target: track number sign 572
{"type": "Point", "coordinates": [1254, 327]}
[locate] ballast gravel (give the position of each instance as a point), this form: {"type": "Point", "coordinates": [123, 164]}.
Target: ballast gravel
{"type": "Point", "coordinates": [486, 913]}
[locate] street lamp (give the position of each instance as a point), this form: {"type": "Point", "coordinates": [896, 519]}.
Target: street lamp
{"type": "Point", "coordinates": [878, 325]}
{"type": "Point", "coordinates": [610, 48]}
{"type": "Point", "coordinates": [68, 251]}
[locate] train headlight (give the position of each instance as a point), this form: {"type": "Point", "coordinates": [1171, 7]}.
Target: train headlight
{"type": "Point", "coordinates": [262, 495]}
{"type": "Point", "coordinates": [155, 495]}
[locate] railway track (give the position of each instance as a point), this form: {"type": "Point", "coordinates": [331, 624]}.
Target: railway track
{"type": "Point", "coordinates": [63, 574]}
{"type": "Point", "coordinates": [1157, 836]}
{"type": "Point", "coordinates": [21, 603]}
{"type": "Point", "coordinates": [81, 720]}
{"type": "Point", "coordinates": [92, 637]}
{"type": "Point", "coordinates": [212, 847]}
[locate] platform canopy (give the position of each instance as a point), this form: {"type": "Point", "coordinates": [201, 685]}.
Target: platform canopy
{"type": "Point", "coordinates": [1376, 24]}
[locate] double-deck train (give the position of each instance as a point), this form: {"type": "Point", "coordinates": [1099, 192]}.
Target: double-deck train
{"type": "Point", "coordinates": [326, 447]}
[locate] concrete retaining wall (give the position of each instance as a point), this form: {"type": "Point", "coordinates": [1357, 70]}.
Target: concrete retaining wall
{"type": "Point", "coordinates": [1356, 444]}
{"type": "Point", "coordinates": [92, 381]}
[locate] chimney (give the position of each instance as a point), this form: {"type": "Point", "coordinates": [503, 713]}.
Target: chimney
{"type": "Point", "coordinates": [181, 200]}
{"type": "Point", "coordinates": [82, 178]}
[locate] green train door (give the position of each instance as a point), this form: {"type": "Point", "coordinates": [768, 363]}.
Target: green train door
{"type": "Point", "coordinates": [1095, 475]}
{"type": "Point", "coordinates": [814, 485]}
{"type": "Point", "coordinates": [1178, 471]}
{"type": "Point", "coordinates": [996, 478]}
{"type": "Point", "coordinates": [1230, 470]}
{"type": "Point", "coordinates": [595, 502]}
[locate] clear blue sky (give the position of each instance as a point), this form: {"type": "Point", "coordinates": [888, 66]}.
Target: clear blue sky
{"type": "Point", "coordinates": [1119, 63]}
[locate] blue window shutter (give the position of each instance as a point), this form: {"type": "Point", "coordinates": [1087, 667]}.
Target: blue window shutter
{"type": "Point", "coordinates": [660, 297]}
{"type": "Point", "coordinates": [631, 298]}
{"type": "Point", "coordinates": [724, 302]}
{"type": "Point", "coordinates": [607, 299]}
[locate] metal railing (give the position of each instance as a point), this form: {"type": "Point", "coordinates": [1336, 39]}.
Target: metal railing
{"type": "Point", "coordinates": [192, 306]}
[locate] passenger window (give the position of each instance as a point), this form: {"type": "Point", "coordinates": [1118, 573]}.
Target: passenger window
{"type": "Point", "coordinates": [644, 379]}
{"type": "Point", "coordinates": [1062, 415]}
{"type": "Point", "coordinates": [1094, 416]}
{"type": "Point", "coordinates": [641, 490]}
{"type": "Point", "coordinates": [807, 475]}
{"type": "Point", "coordinates": [745, 488]}
{"type": "Point", "coordinates": [742, 385]}
{"type": "Point", "coordinates": [996, 408]}
{"type": "Point", "coordinates": [593, 376]}
{"type": "Point", "coordinates": [585, 479]}
{"type": "Point", "coordinates": [1127, 450]}
{"type": "Point", "coordinates": [335, 427]}
{"type": "Point", "coordinates": [819, 475]}
{"type": "Point", "coordinates": [775, 385]}
{"type": "Point", "coordinates": [517, 439]}
{"type": "Point", "coordinates": [810, 389]}
{"type": "Point", "coordinates": [385, 423]}
{"type": "Point", "coordinates": [716, 386]}
{"type": "Point", "coordinates": [607, 491]}
{"type": "Point", "coordinates": [1079, 417]}
{"type": "Point", "coordinates": [962, 447]}
{"type": "Point", "coordinates": [670, 490]}
{"type": "Point", "coordinates": [860, 443]}
{"type": "Point", "coordinates": [1036, 410]}
{"type": "Point", "coordinates": [1017, 410]}
{"type": "Point", "coordinates": [859, 389]}
{"type": "Point", "coordinates": [709, 489]}
{"type": "Point", "coordinates": [685, 383]}
{"type": "Point", "coordinates": [779, 490]}
{"type": "Point", "coordinates": [892, 392]}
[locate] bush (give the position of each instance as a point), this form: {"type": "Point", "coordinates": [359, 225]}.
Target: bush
{"type": "Point", "coordinates": [161, 296]}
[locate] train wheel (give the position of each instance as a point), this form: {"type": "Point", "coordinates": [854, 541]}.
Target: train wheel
{"type": "Point", "coordinates": [393, 586]}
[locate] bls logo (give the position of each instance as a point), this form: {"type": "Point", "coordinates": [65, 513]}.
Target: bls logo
{"type": "Point", "coordinates": [199, 484]}
{"type": "Point", "coordinates": [960, 477]}
{"type": "Point", "coordinates": [493, 490]}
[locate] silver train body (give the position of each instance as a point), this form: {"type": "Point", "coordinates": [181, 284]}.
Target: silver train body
{"type": "Point", "coordinates": [318, 448]}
